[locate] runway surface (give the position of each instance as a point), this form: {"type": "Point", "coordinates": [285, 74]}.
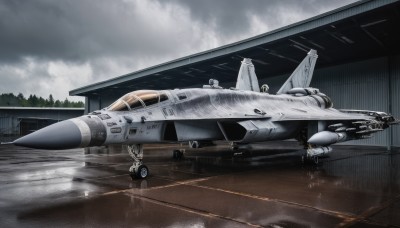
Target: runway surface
{"type": "Point", "coordinates": [354, 187]}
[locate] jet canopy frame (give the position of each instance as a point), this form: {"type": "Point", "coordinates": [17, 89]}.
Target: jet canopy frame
{"type": "Point", "coordinates": [137, 100]}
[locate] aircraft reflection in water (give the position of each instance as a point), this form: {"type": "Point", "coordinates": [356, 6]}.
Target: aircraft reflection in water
{"type": "Point", "coordinates": [239, 115]}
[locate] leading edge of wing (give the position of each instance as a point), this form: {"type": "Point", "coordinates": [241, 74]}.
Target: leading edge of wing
{"type": "Point", "coordinates": [236, 118]}
{"type": "Point", "coordinates": [322, 117]}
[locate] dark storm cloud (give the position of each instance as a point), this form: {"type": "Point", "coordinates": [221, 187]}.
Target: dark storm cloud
{"type": "Point", "coordinates": [49, 46]}
{"type": "Point", "coordinates": [78, 30]}
{"type": "Point", "coordinates": [75, 30]}
{"type": "Point", "coordinates": [233, 17]}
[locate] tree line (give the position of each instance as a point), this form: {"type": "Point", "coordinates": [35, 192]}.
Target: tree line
{"type": "Point", "coordinates": [9, 99]}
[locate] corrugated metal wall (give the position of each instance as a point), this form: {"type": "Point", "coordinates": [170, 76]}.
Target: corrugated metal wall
{"type": "Point", "coordinates": [360, 85]}
{"type": "Point", "coordinates": [6, 125]}
{"type": "Point", "coordinates": [9, 118]}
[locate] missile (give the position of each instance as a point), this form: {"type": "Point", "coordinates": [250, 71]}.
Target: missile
{"type": "Point", "coordinates": [340, 129]}
{"type": "Point", "coordinates": [318, 151]}
{"type": "Point", "coordinates": [368, 131]}
{"type": "Point", "coordinates": [83, 131]}
{"type": "Point", "coordinates": [334, 126]}
{"type": "Point", "coordinates": [351, 129]}
{"type": "Point", "coordinates": [327, 137]}
{"type": "Point", "coordinates": [360, 122]}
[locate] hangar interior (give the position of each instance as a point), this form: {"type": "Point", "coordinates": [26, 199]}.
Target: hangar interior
{"type": "Point", "coordinates": [358, 64]}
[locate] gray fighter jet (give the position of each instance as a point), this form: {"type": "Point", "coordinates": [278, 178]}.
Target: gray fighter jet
{"type": "Point", "coordinates": [240, 115]}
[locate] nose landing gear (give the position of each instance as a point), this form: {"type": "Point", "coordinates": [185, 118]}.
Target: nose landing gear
{"type": "Point", "coordinates": [137, 170]}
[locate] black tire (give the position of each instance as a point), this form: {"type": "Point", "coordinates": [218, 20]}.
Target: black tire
{"type": "Point", "coordinates": [311, 161]}
{"type": "Point", "coordinates": [177, 154]}
{"type": "Point", "coordinates": [194, 144]}
{"type": "Point", "coordinates": [142, 172]}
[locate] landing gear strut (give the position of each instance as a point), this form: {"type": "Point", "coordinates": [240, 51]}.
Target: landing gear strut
{"type": "Point", "coordinates": [137, 170]}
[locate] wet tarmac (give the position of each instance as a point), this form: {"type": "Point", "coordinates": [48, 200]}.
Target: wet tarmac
{"type": "Point", "coordinates": [267, 186]}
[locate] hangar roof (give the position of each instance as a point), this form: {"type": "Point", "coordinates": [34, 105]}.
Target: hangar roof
{"type": "Point", "coordinates": [358, 31]}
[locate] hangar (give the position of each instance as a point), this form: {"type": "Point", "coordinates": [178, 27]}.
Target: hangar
{"type": "Point", "coordinates": [358, 64]}
{"type": "Point", "coordinates": [19, 121]}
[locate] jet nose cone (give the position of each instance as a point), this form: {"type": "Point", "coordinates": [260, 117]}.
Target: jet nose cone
{"type": "Point", "coordinates": [61, 135]}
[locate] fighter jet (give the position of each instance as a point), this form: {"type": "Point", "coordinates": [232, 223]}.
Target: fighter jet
{"type": "Point", "coordinates": [239, 115]}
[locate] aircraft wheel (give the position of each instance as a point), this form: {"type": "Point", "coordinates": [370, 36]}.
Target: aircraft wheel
{"type": "Point", "coordinates": [312, 161]}
{"type": "Point", "coordinates": [177, 154]}
{"type": "Point", "coordinates": [142, 172]}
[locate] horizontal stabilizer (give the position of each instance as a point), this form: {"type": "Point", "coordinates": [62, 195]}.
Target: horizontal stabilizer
{"type": "Point", "coordinates": [302, 75]}
{"type": "Point", "coordinates": [247, 78]}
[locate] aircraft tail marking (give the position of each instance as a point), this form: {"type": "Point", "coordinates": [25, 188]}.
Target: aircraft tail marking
{"type": "Point", "coordinates": [247, 78]}
{"type": "Point", "coordinates": [302, 75]}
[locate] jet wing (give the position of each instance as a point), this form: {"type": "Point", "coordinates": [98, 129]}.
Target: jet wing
{"type": "Point", "coordinates": [187, 129]}
{"type": "Point", "coordinates": [327, 114]}
{"type": "Point", "coordinates": [219, 118]}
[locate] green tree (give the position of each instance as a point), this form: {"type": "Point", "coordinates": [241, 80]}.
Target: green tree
{"type": "Point", "coordinates": [41, 102]}
{"type": "Point", "coordinates": [65, 103]}
{"type": "Point", "coordinates": [20, 96]}
{"type": "Point", "coordinates": [9, 99]}
{"type": "Point", "coordinates": [51, 101]}
{"type": "Point", "coordinates": [30, 100]}
{"type": "Point", "coordinates": [35, 101]}
{"type": "Point", "coordinates": [79, 104]}
{"type": "Point", "coordinates": [57, 103]}
{"type": "Point", "coordinates": [22, 100]}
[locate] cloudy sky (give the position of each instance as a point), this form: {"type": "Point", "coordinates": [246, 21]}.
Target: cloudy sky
{"type": "Point", "coordinates": [51, 47]}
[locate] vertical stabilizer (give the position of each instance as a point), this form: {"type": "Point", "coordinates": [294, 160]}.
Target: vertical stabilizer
{"type": "Point", "coordinates": [247, 78]}
{"type": "Point", "coordinates": [302, 75]}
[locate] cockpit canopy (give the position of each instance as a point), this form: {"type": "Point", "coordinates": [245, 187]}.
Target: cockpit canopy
{"type": "Point", "coordinates": [138, 99]}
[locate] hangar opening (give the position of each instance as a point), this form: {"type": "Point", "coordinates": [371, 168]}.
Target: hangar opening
{"type": "Point", "coordinates": [20, 121]}
{"type": "Point", "coordinates": [29, 125]}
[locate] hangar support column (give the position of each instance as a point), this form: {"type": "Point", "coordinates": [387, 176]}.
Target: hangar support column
{"type": "Point", "coordinates": [93, 103]}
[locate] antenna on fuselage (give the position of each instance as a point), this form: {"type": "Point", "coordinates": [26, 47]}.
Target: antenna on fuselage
{"type": "Point", "coordinates": [213, 83]}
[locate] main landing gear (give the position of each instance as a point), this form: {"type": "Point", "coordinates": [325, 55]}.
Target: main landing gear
{"type": "Point", "coordinates": [137, 170]}
{"type": "Point", "coordinates": [177, 154]}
